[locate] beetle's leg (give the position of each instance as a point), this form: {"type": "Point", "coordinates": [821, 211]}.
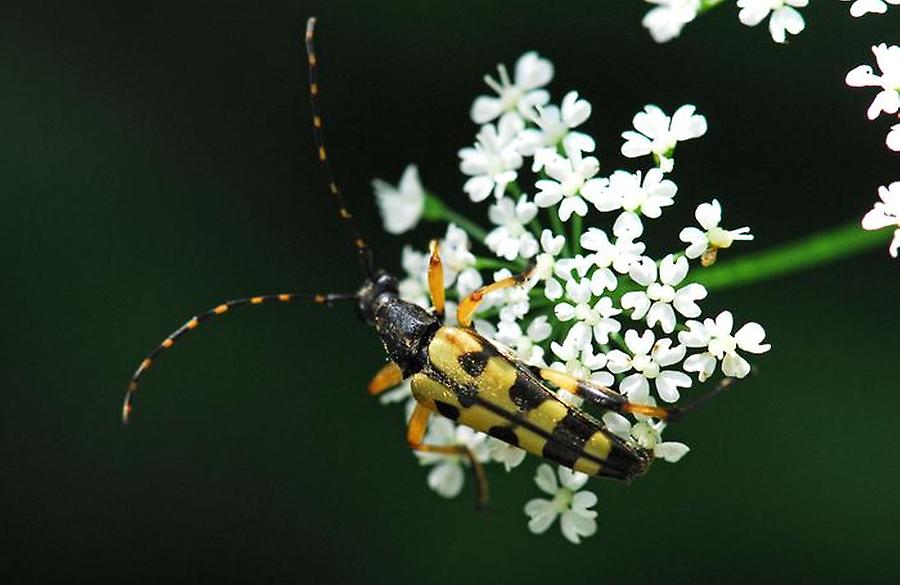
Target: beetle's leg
{"type": "Point", "coordinates": [415, 433]}
{"type": "Point", "coordinates": [468, 305]}
{"type": "Point", "coordinates": [436, 280]}
{"type": "Point", "coordinates": [220, 309]}
{"type": "Point", "coordinates": [387, 377]}
{"type": "Point", "coordinates": [612, 400]}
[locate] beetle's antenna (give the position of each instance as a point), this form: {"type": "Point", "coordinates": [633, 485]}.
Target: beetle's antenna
{"type": "Point", "coordinates": [365, 253]}
{"type": "Point", "coordinates": [221, 309]}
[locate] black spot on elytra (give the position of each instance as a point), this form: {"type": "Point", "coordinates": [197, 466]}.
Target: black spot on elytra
{"type": "Point", "coordinates": [474, 362]}
{"type": "Point", "coordinates": [567, 441]}
{"type": "Point", "coordinates": [622, 463]}
{"type": "Point", "coordinates": [447, 410]}
{"type": "Point", "coordinates": [505, 434]}
{"type": "Point", "coordinates": [577, 426]}
{"type": "Point", "coordinates": [559, 453]}
{"type": "Point", "coordinates": [527, 393]}
{"type": "Point", "coordinates": [467, 396]}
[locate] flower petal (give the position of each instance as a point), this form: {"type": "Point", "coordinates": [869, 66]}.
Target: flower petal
{"type": "Point", "coordinates": [670, 451]}
{"type": "Point", "coordinates": [546, 479]}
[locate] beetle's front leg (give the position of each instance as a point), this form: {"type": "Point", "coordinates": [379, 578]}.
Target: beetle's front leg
{"type": "Point", "coordinates": [387, 377]}
{"type": "Point", "coordinates": [436, 280]}
{"type": "Point", "coordinates": [468, 305]}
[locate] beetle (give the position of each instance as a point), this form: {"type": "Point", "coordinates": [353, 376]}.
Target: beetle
{"type": "Point", "coordinates": [456, 372]}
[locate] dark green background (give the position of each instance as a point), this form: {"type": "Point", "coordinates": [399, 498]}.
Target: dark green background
{"type": "Point", "coordinates": [155, 159]}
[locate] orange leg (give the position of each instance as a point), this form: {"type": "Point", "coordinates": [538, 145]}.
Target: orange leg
{"type": "Point", "coordinates": [387, 377]}
{"type": "Point", "coordinates": [436, 280]}
{"type": "Point", "coordinates": [468, 305]}
{"type": "Point", "coordinates": [415, 433]}
{"type": "Point", "coordinates": [611, 400]}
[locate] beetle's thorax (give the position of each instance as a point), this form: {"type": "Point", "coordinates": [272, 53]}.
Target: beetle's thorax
{"type": "Point", "coordinates": [405, 329]}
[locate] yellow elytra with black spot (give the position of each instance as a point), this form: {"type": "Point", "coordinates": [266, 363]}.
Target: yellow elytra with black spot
{"type": "Point", "coordinates": [467, 379]}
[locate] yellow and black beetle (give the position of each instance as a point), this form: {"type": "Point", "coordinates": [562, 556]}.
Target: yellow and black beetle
{"type": "Point", "coordinates": [458, 373]}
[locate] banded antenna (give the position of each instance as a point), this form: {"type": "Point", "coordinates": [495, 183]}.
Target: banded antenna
{"type": "Point", "coordinates": [365, 253]}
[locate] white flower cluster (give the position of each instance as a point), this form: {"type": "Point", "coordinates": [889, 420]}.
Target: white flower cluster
{"type": "Point", "coordinates": [666, 20]}
{"type": "Point", "coordinates": [888, 99]}
{"type": "Point", "coordinates": [887, 211]}
{"type": "Point", "coordinates": [599, 305]}
{"type": "Point", "coordinates": [668, 17]}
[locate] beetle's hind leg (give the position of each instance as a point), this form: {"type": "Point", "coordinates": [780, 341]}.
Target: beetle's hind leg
{"type": "Point", "coordinates": [415, 434]}
{"type": "Point", "coordinates": [612, 400]}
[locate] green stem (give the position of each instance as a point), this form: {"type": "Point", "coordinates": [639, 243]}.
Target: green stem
{"type": "Point", "coordinates": [619, 341]}
{"type": "Point", "coordinates": [706, 5]}
{"type": "Point", "coordinates": [810, 251]}
{"type": "Point", "coordinates": [497, 264]}
{"type": "Point", "coordinates": [576, 233]}
{"type": "Point", "coordinates": [436, 210]}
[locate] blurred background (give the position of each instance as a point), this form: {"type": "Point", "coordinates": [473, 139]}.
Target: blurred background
{"type": "Point", "coordinates": [157, 158]}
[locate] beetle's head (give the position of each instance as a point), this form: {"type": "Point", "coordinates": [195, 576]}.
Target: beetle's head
{"type": "Point", "coordinates": [374, 292]}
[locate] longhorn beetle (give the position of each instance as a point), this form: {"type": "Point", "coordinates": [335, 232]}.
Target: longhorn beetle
{"type": "Point", "coordinates": [457, 372]}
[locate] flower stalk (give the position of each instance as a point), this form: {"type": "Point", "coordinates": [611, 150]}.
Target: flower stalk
{"type": "Point", "coordinates": [814, 250]}
{"type": "Point", "coordinates": [436, 210]}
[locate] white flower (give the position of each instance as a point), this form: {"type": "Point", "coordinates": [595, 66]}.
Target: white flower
{"type": "Point", "coordinates": [414, 288]}
{"type": "Point", "coordinates": [578, 520]}
{"type": "Point", "coordinates": [493, 161]}
{"type": "Point", "coordinates": [626, 191]}
{"type": "Point", "coordinates": [579, 360]}
{"type": "Point", "coordinates": [532, 72]}
{"type": "Point", "coordinates": [505, 453]}
{"type": "Point", "coordinates": [554, 125]}
{"type": "Point", "coordinates": [401, 206]}
{"type": "Point", "coordinates": [720, 344]}
{"type": "Point", "coordinates": [648, 434]}
{"type": "Point", "coordinates": [647, 360]}
{"type": "Point", "coordinates": [888, 100]}
{"type": "Point", "coordinates": [545, 263]}
{"type": "Point", "coordinates": [885, 213]}
{"type": "Point", "coordinates": [526, 345]}
{"type": "Point", "coordinates": [657, 302]}
{"type": "Point", "coordinates": [666, 20]}
{"type": "Point", "coordinates": [624, 252]}
{"type": "Point", "coordinates": [570, 175]}
{"type": "Point", "coordinates": [784, 16]}
{"type": "Point", "coordinates": [893, 138]}
{"type": "Point", "coordinates": [458, 262]}
{"type": "Point", "coordinates": [447, 476]}
{"type": "Point", "coordinates": [511, 239]}
{"type": "Point", "coordinates": [596, 318]}
{"type": "Point", "coordinates": [658, 134]}
{"type": "Point", "coordinates": [861, 7]}
{"type": "Point", "coordinates": [708, 216]}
